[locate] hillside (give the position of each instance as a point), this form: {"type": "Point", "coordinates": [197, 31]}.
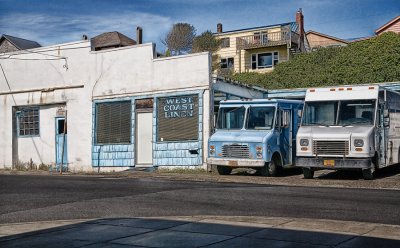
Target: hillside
{"type": "Point", "coordinates": [369, 61]}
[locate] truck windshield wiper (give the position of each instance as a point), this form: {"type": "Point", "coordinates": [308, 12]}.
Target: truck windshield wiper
{"type": "Point", "coordinates": [319, 124]}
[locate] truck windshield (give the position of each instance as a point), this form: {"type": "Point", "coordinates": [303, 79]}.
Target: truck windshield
{"type": "Point", "coordinates": [357, 112]}
{"type": "Point", "coordinates": [320, 113]}
{"type": "Point", "coordinates": [343, 113]}
{"type": "Point", "coordinates": [231, 117]}
{"type": "Point", "coordinates": [260, 118]}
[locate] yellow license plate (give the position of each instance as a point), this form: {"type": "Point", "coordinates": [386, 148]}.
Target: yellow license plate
{"type": "Point", "coordinates": [329, 162]}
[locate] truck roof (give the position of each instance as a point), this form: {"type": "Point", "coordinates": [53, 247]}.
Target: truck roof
{"type": "Point", "coordinates": [261, 101]}
{"type": "Point", "coordinates": [343, 93]}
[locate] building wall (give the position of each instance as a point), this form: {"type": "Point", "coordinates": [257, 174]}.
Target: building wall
{"type": "Point", "coordinates": [395, 27]}
{"type": "Point", "coordinates": [6, 47]}
{"type": "Point", "coordinates": [320, 41]}
{"type": "Point", "coordinates": [85, 77]}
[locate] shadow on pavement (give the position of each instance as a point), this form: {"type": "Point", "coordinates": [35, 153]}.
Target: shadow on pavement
{"type": "Point", "coordinates": [357, 175]}
{"type": "Point", "coordinates": [143, 232]}
{"type": "Point", "coordinates": [252, 172]}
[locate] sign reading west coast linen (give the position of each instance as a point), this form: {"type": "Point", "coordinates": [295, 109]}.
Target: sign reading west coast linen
{"type": "Point", "coordinates": [178, 118]}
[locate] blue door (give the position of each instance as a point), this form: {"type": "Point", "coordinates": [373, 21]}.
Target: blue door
{"type": "Point", "coordinates": [61, 143]}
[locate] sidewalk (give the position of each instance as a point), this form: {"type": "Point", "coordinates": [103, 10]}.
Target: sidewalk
{"type": "Point", "coordinates": [199, 231]}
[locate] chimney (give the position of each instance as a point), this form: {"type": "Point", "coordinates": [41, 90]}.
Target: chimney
{"type": "Point", "coordinates": [300, 22]}
{"type": "Point", "coordinates": [139, 35]}
{"type": "Point", "coordinates": [219, 28]}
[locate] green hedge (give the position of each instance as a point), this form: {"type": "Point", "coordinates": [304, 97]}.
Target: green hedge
{"type": "Point", "coordinates": [370, 61]}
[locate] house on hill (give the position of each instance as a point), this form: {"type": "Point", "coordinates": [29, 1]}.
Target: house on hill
{"type": "Point", "coordinates": [319, 40]}
{"type": "Point", "coordinates": [391, 26]}
{"type": "Point", "coordinates": [10, 43]}
{"type": "Point", "coordinates": [259, 49]}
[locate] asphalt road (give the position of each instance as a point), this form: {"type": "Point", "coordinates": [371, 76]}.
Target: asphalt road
{"type": "Point", "coordinates": [25, 198]}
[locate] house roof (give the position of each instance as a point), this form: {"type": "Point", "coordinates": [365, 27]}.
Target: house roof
{"type": "Point", "coordinates": [326, 36]}
{"type": "Point", "coordinates": [20, 43]}
{"type": "Point", "coordinates": [293, 27]}
{"type": "Point", "coordinates": [388, 24]}
{"type": "Point", "coordinates": [110, 39]}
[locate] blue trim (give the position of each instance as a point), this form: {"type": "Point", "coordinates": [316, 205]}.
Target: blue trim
{"type": "Point", "coordinates": [164, 153]}
{"type": "Point", "coordinates": [18, 122]}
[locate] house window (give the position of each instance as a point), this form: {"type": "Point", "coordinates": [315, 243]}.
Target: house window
{"type": "Point", "coordinates": [225, 42]}
{"type": "Point", "coordinates": [113, 122]}
{"type": "Point", "coordinates": [227, 63]}
{"type": "Point", "coordinates": [28, 122]}
{"type": "Point", "coordinates": [264, 60]}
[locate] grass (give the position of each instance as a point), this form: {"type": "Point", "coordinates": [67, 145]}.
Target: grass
{"type": "Point", "coordinates": [183, 170]}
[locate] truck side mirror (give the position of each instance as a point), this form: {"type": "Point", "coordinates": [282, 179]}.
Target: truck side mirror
{"type": "Point", "coordinates": [285, 118]}
{"type": "Point", "coordinates": [300, 113]}
{"type": "Point", "coordinates": [386, 113]}
{"type": "Point", "coordinates": [386, 122]}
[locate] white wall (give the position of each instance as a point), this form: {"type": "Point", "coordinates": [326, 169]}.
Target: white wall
{"type": "Point", "coordinates": [103, 74]}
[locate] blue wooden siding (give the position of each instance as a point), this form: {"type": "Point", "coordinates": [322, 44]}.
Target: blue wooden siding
{"type": "Point", "coordinates": [164, 153]}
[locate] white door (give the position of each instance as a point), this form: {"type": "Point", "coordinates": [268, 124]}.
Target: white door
{"type": "Point", "coordinates": [144, 138]}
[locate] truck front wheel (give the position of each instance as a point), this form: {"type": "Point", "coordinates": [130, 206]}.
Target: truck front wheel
{"type": "Point", "coordinates": [270, 169]}
{"type": "Point", "coordinates": [223, 170]}
{"type": "Point", "coordinates": [368, 174]}
{"type": "Point", "coordinates": [308, 173]}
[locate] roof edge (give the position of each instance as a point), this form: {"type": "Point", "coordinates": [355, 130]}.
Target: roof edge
{"type": "Point", "coordinates": [387, 24]}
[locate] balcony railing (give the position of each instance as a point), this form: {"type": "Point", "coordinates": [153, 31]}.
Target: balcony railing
{"type": "Point", "coordinates": [267, 40]}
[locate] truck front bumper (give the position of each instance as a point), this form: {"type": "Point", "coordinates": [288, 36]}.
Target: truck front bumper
{"type": "Point", "coordinates": [334, 163]}
{"type": "Point", "coordinates": [240, 162]}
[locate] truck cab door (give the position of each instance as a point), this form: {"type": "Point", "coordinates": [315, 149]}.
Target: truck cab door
{"type": "Point", "coordinates": [381, 136]}
{"type": "Point", "coordinates": [286, 143]}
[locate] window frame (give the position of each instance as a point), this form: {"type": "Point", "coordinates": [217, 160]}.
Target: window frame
{"type": "Point", "coordinates": [225, 42]}
{"type": "Point", "coordinates": [96, 123]}
{"type": "Point", "coordinates": [255, 59]}
{"type": "Point", "coordinates": [18, 116]}
{"type": "Point", "coordinates": [225, 64]}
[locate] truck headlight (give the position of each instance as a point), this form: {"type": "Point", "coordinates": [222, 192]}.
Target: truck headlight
{"type": "Point", "coordinates": [212, 150]}
{"type": "Point", "coordinates": [358, 143]}
{"type": "Point", "coordinates": [304, 142]}
{"type": "Point", "coordinates": [259, 151]}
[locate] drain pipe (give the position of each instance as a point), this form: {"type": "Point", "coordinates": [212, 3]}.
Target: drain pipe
{"type": "Point", "coordinates": [98, 160]}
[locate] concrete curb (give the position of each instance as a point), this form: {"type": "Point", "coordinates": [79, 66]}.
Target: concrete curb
{"type": "Point", "coordinates": [301, 224]}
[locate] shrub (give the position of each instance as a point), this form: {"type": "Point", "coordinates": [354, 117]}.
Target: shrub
{"type": "Point", "coordinates": [370, 61]}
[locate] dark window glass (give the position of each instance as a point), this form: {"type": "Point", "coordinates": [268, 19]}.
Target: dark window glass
{"type": "Point", "coordinates": [231, 117]}
{"type": "Point", "coordinates": [264, 60]}
{"type": "Point", "coordinates": [113, 122]}
{"type": "Point", "coordinates": [225, 42]}
{"type": "Point", "coordinates": [260, 118]}
{"type": "Point", "coordinates": [28, 119]}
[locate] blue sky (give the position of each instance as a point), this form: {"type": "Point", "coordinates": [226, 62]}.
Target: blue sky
{"type": "Point", "coordinates": [51, 22]}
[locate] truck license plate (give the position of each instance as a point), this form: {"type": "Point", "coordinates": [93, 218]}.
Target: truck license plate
{"type": "Point", "coordinates": [329, 162]}
{"type": "Point", "coordinates": [233, 163]}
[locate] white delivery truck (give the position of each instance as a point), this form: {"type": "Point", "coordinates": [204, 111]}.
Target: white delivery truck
{"type": "Point", "coordinates": [352, 127]}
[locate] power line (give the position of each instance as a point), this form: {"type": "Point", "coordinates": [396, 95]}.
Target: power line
{"type": "Point", "coordinates": [8, 84]}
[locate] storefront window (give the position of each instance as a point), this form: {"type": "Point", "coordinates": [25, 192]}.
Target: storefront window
{"type": "Point", "coordinates": [178, 118]}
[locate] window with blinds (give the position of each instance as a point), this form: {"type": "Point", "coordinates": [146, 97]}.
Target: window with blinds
{"type": "Point", "coordinates": [113, 122]}
{"type": "Point", "coordinates": [178, 118]}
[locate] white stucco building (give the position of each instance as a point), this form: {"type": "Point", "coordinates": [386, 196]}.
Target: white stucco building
{"type": "Point", "coordinates": [124, 107]}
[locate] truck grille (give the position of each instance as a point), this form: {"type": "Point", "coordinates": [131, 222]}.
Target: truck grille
{"type": "Point", "coordinates": [331, 147]}
{"type": "Point", "coordinates": [235, 151]}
